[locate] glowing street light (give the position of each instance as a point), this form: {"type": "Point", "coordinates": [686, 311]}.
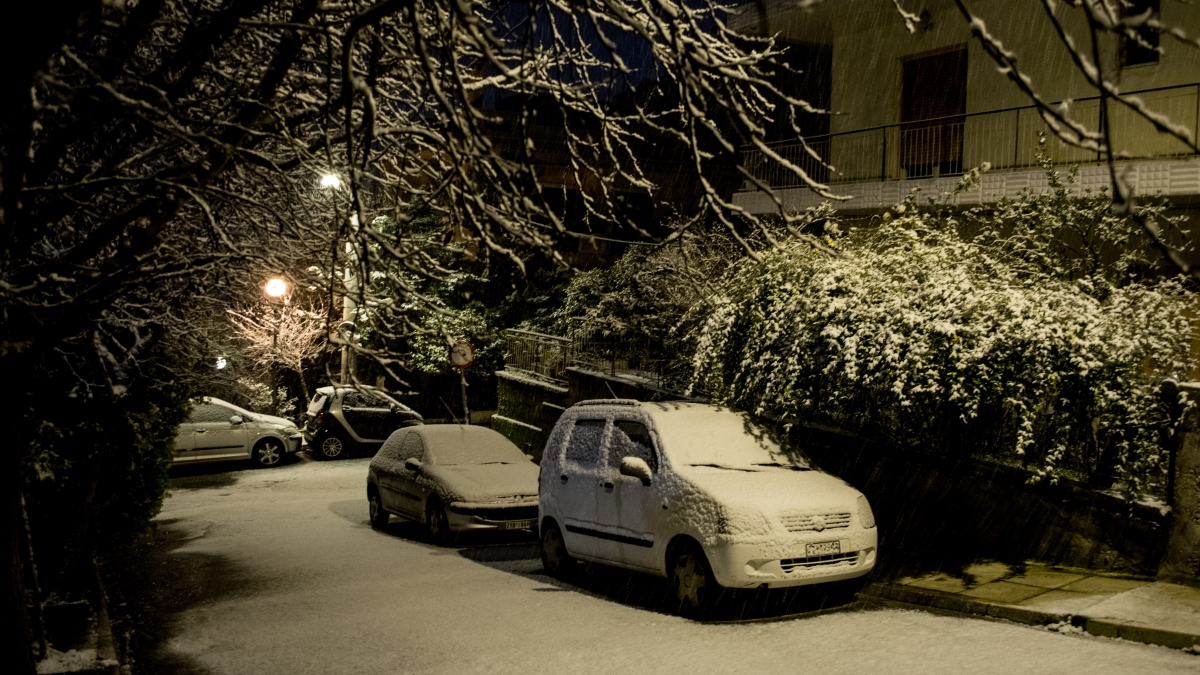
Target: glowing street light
{"type": "Point", "coordinates": [276, 288]}
{"type": "Point", "coordinates": [330, 181]}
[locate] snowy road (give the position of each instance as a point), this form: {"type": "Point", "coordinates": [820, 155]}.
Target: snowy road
{"type": "Point", "coordinates": [277, 571]}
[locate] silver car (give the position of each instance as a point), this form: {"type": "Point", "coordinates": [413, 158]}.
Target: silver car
{"type": "Point", "coordinates": [220, 431]}
{"type": "Point", "coordinates": [453, 478]}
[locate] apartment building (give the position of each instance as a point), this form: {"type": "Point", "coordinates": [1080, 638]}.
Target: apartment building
{"type": "Point", "coordinates": [914, 110]}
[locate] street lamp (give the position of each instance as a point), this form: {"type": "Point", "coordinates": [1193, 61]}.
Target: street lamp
{"type": "Point", "coordinates": [330, 181]}
{"type": "Point", "coordinates": [275, 289]}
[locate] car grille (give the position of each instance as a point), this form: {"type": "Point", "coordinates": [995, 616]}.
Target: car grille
{"type": "Point", "coordinates": [815, 523]}
{"type": "Point", "coordinates": [831, 560]}
{"type": "Point", "coordinates": [499, 512]}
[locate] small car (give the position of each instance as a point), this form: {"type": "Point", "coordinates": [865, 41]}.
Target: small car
{"type": "Point", "coordinates": [698, 494]}
{"type": "Point", "coordinates": [340, 420]}
{"type": "Point", "coordinates": [453, 478]}
{"type": "Point", "coordinates": [218, 431]}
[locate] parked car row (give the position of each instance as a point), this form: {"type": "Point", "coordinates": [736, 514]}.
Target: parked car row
{"type": "Point", "coordinates": [691, 492]}
{"type": "Point", "coordinates": [688, 491]}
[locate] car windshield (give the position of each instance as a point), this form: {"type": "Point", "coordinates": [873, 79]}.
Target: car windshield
{"type": "Point", "coordinates": [711, 437]}
{"type": "Point", "coordinates": [471, 446]}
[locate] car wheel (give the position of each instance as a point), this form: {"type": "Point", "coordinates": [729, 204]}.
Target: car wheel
{"type": "Point", "coordinates": [556, 560]}
{"type": "Point", "coordinates": [379, 516]}
{"type": "Point", "coordinates": [268, 452]}
{"type": "Point", "coordinates": [692, 588]}
{"type": "Point", "coordinates": [331, 446]}
{"type": "Point", "coordinates": [438, 522]}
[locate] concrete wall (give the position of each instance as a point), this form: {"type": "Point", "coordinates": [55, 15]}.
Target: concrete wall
{"type": "Point", "coordinates": [938, 513]}
{"type": "Point", "coordinates": [1182, 561]}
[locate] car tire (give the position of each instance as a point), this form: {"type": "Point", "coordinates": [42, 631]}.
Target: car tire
{"type": "Point", "coordinates": [379, 515]}
{"type": "Point", "coordinates": [438, 523]}
{"type": "Point", "coordinates": [268, 452]}
{"type": "Point", "coordinates": [330, 446]}
{"type": "Point", "coordinates": [556, 561]}
{"type": "Point", "coordinates": [692, 588]}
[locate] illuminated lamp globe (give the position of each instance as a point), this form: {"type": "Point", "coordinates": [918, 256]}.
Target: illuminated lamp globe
{"type": "Point", "coordinates": [276, 288]}
{"type": "Point", "coordinates": [330, 181]}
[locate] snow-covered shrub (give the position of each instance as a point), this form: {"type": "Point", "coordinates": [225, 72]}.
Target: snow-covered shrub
{"type": "Point", "coordinates": [932, 338]}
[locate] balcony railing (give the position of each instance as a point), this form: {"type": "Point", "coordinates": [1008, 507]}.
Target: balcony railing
{"type": "Point", "coordinates": [1006, 138]}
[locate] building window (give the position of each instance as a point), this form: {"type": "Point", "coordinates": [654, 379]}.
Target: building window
{"type": "Point", "coordinates": [932, 101]}
{"type": "Point", "coordinates": [1143, 51]}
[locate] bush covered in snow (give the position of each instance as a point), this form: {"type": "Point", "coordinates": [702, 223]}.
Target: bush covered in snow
{"type": "Point", "coordinates": [1011, 342]}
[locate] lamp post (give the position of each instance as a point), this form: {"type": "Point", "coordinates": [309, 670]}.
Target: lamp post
{"type": "Point", "coordinates": [346, 330]}
{"type": "Point", "coordinates": [275, 289]}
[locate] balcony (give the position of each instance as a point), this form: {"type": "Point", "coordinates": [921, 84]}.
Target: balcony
{"type": "Point", "coordinates": [878, 166]}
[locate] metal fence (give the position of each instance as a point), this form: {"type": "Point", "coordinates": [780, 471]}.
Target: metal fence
{"type": "Point", "coordinates": [547, 356]}
{"type": "Point", "coordinates": [592, 346]}
{"type": "Point", "coordinates": [1006, 138]}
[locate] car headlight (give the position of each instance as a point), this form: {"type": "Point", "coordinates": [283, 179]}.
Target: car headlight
{"type": "Point", "coordinates": [864, 513]}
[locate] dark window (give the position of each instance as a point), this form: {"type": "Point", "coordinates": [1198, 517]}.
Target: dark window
{"type": "Point", "coordinates": [412, 446]}
{"type": "Point", "coordinates": [631, 439]}
{"type": "Point", "coordinates": [933, 98]}
{"type": "Point", "coordinates": [1135, 52]}
{"type": "Point", "coordinates": [358, 399]}
{"type": "Point", "coordinates": [584, 446]}
{"type": "Point", "coordinates": [208, 412]}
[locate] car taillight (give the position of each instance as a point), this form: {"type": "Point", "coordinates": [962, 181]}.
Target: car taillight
{"type": "Point", "coordinates": [324, 419]}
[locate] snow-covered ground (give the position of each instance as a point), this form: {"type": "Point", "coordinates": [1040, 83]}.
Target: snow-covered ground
{"type": "Point", "coordinates": [309, 587]}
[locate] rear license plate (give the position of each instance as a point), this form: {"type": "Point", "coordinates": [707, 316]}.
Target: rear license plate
{"type": "Point", "coordinates": [522, 525]}
{"type": "Point", "coordinates": [822, 548]}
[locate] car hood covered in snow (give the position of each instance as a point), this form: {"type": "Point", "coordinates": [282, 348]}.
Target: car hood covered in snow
{"type": "Point", "coordinates": [774, 491]}
{"type": "Point", "coordinates": [272, 419]}
{"type": "Point", "coordinates": [486, 482]}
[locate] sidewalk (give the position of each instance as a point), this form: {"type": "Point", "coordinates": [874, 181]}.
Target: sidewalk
{"type": "Point", "coordinates": [1065, 599]}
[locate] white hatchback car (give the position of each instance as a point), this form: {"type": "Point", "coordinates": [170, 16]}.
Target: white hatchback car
{"type": "Point", "coordinates": [694, 493]}
{"type": "Point", "coordinates": [218, 431]}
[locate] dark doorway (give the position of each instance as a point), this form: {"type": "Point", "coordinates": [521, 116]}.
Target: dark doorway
{"type": "Point", "coordinates": [933, 100]}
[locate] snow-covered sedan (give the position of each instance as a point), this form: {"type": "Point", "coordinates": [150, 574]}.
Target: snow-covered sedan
{"type": "Point", "coordinates": [452, 478]}
{"type": "Point", "coordinates": [219, 431]}
{"type": "Point", "coordinates": [697, 494]}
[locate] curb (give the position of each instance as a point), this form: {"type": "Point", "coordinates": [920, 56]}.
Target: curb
{"type": "Point", "coordinates": [950, 603]}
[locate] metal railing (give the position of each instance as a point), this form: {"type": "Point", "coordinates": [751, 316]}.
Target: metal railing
{"type": "Point", "coordinates": [592, 347]}
{"type": "Point", "coordinates": [547, 356]}
{"type": "Point", "coordinates": [1005, 138]}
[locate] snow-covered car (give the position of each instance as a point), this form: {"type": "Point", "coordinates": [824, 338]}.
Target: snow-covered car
{"type": "Point", "coordinates": [340, 420]}
{"type": "Point", "coordinates": [453, 478]}
{"type": "Point", "coordinates": [219, 431]}
{"type": "Point", "coordinates": [697, 494]}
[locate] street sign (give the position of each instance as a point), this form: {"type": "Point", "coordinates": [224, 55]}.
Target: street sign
{"type": "Point", "coordinates": [462, 354]}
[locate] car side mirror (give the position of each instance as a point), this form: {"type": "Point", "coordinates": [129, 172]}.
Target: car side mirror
{"type": "Point", "coordinates": [236, 419]}
{"type": "Point", "coordinates": [636, 467]}
{"type": "Point", "coordinates": [412, 464]}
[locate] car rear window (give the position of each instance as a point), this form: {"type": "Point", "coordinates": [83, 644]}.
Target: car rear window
{"type": "Point", "coordinates": [318, 403]}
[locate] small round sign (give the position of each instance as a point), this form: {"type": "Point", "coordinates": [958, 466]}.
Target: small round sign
{"type": "Point", "coordinates": [462, 354]}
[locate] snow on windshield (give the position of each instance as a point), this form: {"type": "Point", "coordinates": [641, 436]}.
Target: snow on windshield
{"type": "Point", "coordinates": [700, 435]}
{"type": "Point", "coordinates": [453, 444]}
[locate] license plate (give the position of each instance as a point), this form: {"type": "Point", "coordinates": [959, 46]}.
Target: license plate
{"type": "Point", "coordinates": [822, 548]}
{"type": "Point", "coordinates": [522, 525]}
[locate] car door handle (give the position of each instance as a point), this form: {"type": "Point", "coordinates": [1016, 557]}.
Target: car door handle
{"type": "Point", "coordinates": [563, 478]}
{"type": "Point", "coordinates": [202, 431]}
{"type": "Point", "coordinates": [608, 486]}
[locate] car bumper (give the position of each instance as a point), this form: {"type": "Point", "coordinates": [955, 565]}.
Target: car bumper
{"type": "Point", "coordinates": [741, 565]}
{"type": "Point", "coordinates": [293, 443]}
{"type": "Point", "coordinates": [465, 516]}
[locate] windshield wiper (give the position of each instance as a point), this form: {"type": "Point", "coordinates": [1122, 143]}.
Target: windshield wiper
{"type": "Point", "coordinates": [727, 468]}
{"type": "Point", "coordinates": [793, 467]}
